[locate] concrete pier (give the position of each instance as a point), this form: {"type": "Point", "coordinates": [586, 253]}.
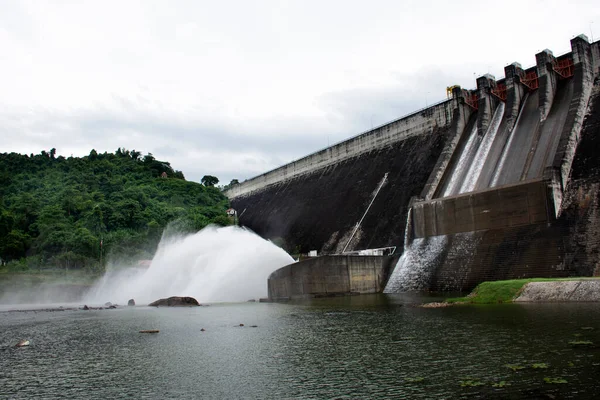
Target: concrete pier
{"type": "Point", "coordinates": [331, 276]}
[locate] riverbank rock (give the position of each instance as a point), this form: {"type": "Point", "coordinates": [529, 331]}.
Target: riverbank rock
{"type": "Point", "coordinates": [131, 302]}
{"type": "Point", "coordinates": [175, 302]}
{"type": "Point", "coordinates": [435, 305]}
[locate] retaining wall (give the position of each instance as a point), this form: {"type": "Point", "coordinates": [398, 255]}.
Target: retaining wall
{"type": "Point", "coordinates": [512, 205]}
{"type": "Point", "coordinates": [330, 276]}
{"type": "Point", "coordinates": [560, 291]}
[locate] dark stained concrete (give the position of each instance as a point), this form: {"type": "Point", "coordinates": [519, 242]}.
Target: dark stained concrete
{"type": "Point", "coordinates": [319, 211]}
{"type": "Point", "coordinates": [513, 205]}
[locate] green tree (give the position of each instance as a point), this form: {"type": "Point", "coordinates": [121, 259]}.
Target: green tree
{"type": "Point", "coordinates": [209, 180]}
{"type": "Point", "coordinates": [54, 210]}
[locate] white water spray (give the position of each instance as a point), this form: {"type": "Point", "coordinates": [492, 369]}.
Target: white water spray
{"type": "Point", "coordinates": [507, 146]}
{"type": "Point", "coordinates": [483, 151]}
{"type": "Point", "coordinates": [213, 265]}
{"type": "Point", "coordinates": [457, 175]}
{"type": "Point", "coordinates": [416, 265]}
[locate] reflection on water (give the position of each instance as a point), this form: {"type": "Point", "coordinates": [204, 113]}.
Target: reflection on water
{"type": "Point", "coordinates": [356, 347]}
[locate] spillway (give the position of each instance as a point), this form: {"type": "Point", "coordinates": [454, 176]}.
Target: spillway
{"type": "Point", "coordinates": [476, 166]}
{"type": "Point", "coordinates": [550, 130]}
{"type": "Point", "coordinates": [520, 143]}
{"type": "Point", "coordinates": [458, 169]}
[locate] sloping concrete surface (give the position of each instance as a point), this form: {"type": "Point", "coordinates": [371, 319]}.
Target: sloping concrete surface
{"type": "Point", "coordinates": [557, 291]}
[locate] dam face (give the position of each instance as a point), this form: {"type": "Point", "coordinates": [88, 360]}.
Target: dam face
{"type": "Point", "coordinates": [499, 182]}
{"type": "Point", "coordinates": [353, 195]}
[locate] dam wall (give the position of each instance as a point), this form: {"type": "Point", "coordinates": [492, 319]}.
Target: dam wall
{"type": "Point", "coordinates": [436, 116]}
{"type": "Point", "coordinates": [532, 137]}
{"type": "Point", "coordinates": [330, 276]}
{"type": "Point", "coordinates": [503, 182]}
{"type": "Point", "coordinates": [359, 201]}
{"type": "Point", "coordinates": [509, 206]}
{"type": "Point", "coordinates": [566, 246]}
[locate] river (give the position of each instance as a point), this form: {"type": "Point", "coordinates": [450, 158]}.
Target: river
{"type": "Point", "coordinates": [372, 346]}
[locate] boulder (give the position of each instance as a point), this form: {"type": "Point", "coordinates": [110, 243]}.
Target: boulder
{"type": "Point", "coordinates": [131, 302]}
{"type": "Point", "coordinates": [175, 302]}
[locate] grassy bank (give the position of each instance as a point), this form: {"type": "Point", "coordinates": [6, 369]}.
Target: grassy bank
{"type": "Point", "coordinates": [501, 291]}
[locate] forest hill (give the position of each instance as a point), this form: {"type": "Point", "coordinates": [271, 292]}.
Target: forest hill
{"type": "Point", "coordinates": [58, 212]}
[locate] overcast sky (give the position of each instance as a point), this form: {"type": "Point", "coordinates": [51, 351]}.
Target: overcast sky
{"type": "Point", "coordinates": [236, 88]}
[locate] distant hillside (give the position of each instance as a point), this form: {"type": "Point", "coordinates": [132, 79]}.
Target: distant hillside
{"type": "Point", "coordinates": [74, 212]}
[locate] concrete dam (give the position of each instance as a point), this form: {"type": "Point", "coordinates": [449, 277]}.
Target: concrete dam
{"type": "Point", "coordinates": [498, 182]}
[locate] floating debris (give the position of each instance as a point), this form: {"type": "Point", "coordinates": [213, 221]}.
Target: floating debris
{"type": "Point", "coordinates": [539, 366]}
{"type": "Point", "coordinates": [202, 330]}
{"type": "Point", "coordinates": [471, 383]}
{"type": "Point", "coordinates": [22, 343]}
{"type": "Point", "coordinates": [514, 367]}
{"type": "Point", "coordinates": [555, 380]}
{"type": "Point", "coordinates": [581, 343]}
{"type": "Point", "coordinates": [500, 384]}
{"type": "Point", "coordinates": [150, 331]}
{"type": "Point", "coordinates": [436, 305]}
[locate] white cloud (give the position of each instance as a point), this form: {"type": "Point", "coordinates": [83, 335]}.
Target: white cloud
{"type": "Point", "coordinates": [236, 88]}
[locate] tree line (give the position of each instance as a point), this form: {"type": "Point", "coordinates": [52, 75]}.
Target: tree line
{"type": "Point", "coordinates": [76, 212]}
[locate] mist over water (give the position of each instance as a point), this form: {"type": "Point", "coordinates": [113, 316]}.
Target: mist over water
{"type": "Point", "coordinates": [213, 265]}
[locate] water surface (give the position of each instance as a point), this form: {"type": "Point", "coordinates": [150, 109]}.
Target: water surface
{"type": "Point", "coordinates": [378, 346]}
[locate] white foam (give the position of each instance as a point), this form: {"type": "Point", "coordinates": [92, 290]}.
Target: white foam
{"type": "Point", "coordinates": [213, 265]}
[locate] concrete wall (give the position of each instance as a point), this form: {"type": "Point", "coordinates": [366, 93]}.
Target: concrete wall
{"type": "Point", "coordinates": [436, 116]}
{"type": "Point", "coordinates": [330, 276]}
{"type": "Point", "coordinates": [583, 77]}
{"type": "Point", "coordinates": [321, 210]}
{"type": "Point", "coordinates": [567, 246]}
{"type": "Point", "coordinates": [560, 291]}
{"type": "Point", "coordinates": [507, 206]}
{"type": "Point", "coordinates": [459, 124]}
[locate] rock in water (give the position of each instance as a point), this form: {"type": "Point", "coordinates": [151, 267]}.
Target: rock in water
{"type": "Point", "coordinates": [131, 302]}
{"type": "Point", "coordinates": [175, 302]}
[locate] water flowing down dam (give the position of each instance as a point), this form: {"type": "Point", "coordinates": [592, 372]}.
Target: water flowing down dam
{"type": "Point", "coordinates": [499, 179]}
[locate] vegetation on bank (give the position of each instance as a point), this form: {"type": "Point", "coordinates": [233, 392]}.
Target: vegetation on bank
{"type": "Point", "coordinates": [499, 291]}
{"type": "Point", "coordinates": [74, 213]}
